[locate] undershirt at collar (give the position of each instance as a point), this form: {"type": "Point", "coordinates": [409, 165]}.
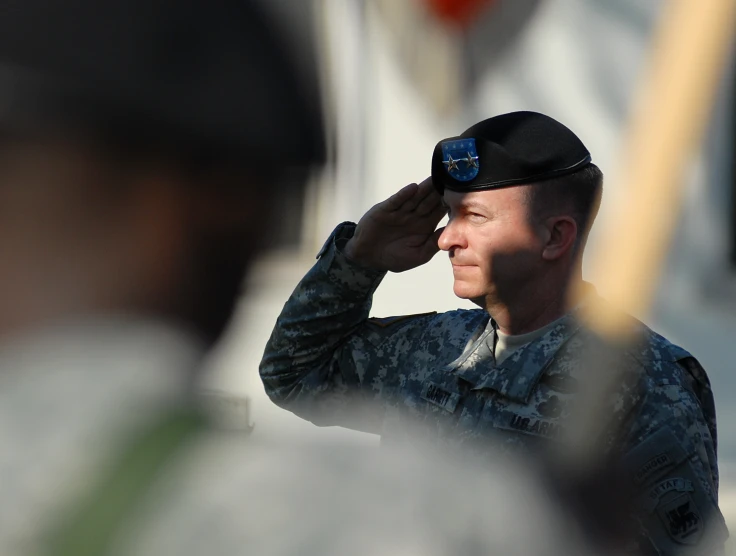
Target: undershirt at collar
{"type": "Point", "coordinates": [506, 344]}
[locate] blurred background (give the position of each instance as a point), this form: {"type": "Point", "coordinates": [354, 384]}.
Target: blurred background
{"type": "Point", "coordinates": [401, 75]}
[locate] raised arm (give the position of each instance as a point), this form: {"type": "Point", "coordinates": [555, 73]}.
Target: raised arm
{"type": "Point", "coordinates": [326, 360]}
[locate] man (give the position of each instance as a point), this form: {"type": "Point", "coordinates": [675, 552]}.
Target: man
{"type": "Point", "coordinates": [143, 145]}
{"type": "Point", "coordinates": [147, 146]}
{"type": "Point", "coordinates": [521, 194]}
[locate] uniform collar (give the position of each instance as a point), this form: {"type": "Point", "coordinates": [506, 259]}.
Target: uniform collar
{"type": "Point", "coordinates": [518, 374]}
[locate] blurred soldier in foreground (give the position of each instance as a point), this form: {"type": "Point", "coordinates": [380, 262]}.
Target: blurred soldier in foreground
{"type": "Point", "coordinates": [145, 145]}
{"type": "Point", "coordinates": [521, 193]}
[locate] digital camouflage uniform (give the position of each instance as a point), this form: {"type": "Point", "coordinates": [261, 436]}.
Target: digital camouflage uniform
{"type": "Point", "coordinates": [328, 362]}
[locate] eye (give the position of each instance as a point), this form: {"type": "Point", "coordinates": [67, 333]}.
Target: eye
{"type": "Point", "coordinates": [476, 218]}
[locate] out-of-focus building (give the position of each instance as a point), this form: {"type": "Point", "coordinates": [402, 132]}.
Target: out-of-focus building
{"type": "Point", "coordinates": [398, 80]}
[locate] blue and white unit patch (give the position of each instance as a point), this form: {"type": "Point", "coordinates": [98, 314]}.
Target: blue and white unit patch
{"type": "Point", "coordinates": [461, 159]}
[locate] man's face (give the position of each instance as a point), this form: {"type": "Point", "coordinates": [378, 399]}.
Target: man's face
{"type": "Point", "coordinates": [493, 246]}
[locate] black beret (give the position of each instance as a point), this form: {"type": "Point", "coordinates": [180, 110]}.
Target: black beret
{"type": "Point", "coordinates": [510, 149]}
{"type": "Point", "coordinates": [204, 74]}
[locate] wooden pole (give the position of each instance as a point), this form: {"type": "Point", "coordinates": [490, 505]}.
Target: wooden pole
{"type": "Point", "coordinates": [691, 46]}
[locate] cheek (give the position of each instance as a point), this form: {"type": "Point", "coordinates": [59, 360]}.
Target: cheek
{"type": "Point", "coordinates": [498, 239]}
{"type": "Point", "coordinates": [516, 237]}
{"type": "Point", "coordinates": [506, 248]}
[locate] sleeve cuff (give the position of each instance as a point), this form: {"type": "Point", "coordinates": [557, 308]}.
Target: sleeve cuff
{"type": "Point", "coordinates": [341, 269]}
{"type": "Point", "coordinates": [338, 238]}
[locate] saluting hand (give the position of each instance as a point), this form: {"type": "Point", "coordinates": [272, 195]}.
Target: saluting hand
{"type": "Point", "coordinates": [399, 233]}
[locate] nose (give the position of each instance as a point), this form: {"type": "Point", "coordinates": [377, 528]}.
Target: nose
{"type": "Point", "coordinates": [451, 237]}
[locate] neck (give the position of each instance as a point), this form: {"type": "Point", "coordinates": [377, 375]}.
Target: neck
{"type": "Point", "coordinates": [533, 308]}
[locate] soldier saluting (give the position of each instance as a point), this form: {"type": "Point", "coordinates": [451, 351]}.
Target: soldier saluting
{"type": "Point", "coordinates": [521, 193]}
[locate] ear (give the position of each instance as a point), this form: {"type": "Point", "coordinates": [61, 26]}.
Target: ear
{"type": "Point", "coordinates": [562, 233]}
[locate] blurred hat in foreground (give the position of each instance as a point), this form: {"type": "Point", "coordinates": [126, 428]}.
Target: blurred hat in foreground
{"type": "Point", "coordinates": [194, 76]}
{"type": "Point", "coordinates": [511, 149]}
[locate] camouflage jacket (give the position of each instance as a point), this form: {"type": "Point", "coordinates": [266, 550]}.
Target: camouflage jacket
{"type": "Point", "coordinates": [328, 362]}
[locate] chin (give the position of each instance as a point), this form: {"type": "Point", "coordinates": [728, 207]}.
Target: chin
{"type": "Point", "coordinates": [467, 291]}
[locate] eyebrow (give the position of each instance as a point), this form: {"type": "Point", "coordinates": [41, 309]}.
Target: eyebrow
{"type": "Point", "coordinates": [474, 205]}
{"type": "Point", "coordinates": [466, 205]}
{"type": "Point", "coordinates": [469, 205]}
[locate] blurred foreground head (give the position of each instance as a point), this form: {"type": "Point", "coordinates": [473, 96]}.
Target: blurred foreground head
{"type": "Point", "coordinates": [143, 144]}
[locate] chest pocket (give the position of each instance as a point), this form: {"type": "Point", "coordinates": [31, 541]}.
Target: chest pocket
{"type": "Point", "coordinates": [440, 396]}
{"type": "Point", "coordinates": [522, 411]}
{"type": "Point", "coordinates": [432, 408]}
{"type": "Point", "coordinates": [521, 420]}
